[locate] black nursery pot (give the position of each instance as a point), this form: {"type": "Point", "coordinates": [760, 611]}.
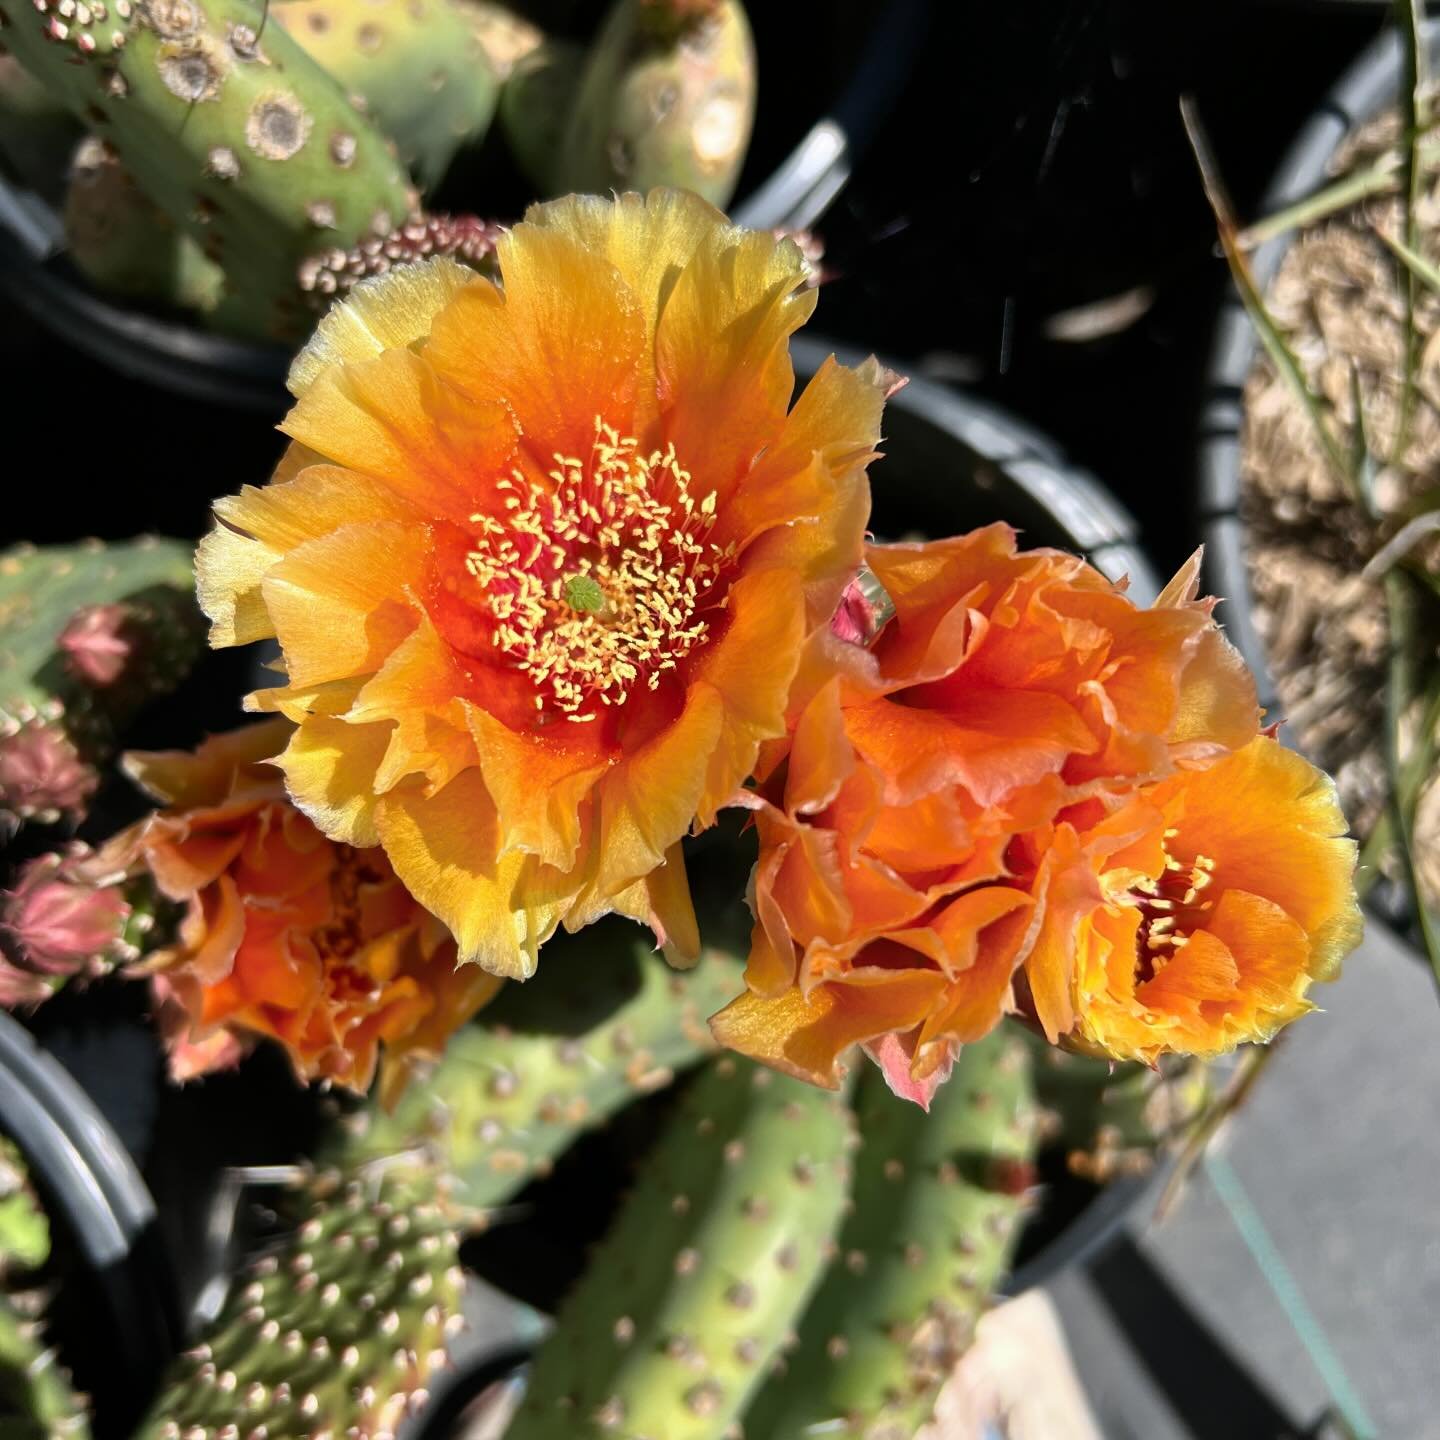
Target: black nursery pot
{"type": "Point", "coordinates": [111, 1316]}
{"type": "Point", "coordinates": [1366, 90]}
{"type": "Point", "coordinates": [790, 190]}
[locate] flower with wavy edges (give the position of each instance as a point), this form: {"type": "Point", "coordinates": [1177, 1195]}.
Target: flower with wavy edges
{"type": "Point", "coordinates": [543, 557]}
{"type": "Point", "coordinates": [285, 933]}
{"type": "Point", "coordinates": [892, 896]}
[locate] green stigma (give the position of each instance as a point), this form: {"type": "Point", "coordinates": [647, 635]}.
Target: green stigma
{"type": "Point", "coordinates": [584, 594]}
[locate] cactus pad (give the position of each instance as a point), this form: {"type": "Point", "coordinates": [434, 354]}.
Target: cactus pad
{"type": "Point", "coordinates": [937, 1208]}
{"type": "Point", "coordinates": [667, 98]}
{"type": "Point", "coordinates": [226, 124]}
{"type": "Point", "coordinates": [602, 1023]}
{"type": "Point", "coordinates": [693, 1294]}
{"type": "Point", "coordinates": [335, 1333]}
{"type": "Point", "coordinates": [415, 67]}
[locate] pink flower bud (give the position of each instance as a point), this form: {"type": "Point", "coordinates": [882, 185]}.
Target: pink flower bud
{"type": "Point", "coordinates": [96, 645]}
{"type": "Point", "coordinates": [58, 921]}
{"type": "Point", "coordinates": [864, 610]}
{"type": "Point", "coordinates": [42, 774]}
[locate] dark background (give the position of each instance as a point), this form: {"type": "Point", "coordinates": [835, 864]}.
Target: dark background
{"type": "Point", "coordinates": [1035, 163]}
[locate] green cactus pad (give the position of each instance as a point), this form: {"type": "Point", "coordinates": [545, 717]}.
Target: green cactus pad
{"type": "Point", "coordinates": [938, 1201]}
{"type": "Point", "coordinates": [692, 1296]}
{"type": "Point", "coordinates": [333, 1334]}
{"type": "Point", "coordinates": [227, 124]}
{"type": "Point", "coordinates": [603, 1022]}
{"type": "Point", "coordinates": [37, 1400]}
{"type": "Point", "coordinates": [664, 103]}
{"type": "Point", "coordinates": [535, 108]}
{"type": "Point", "coordinates": [415, 67]}
{"type": "Point", "coordinates": [122, 242]}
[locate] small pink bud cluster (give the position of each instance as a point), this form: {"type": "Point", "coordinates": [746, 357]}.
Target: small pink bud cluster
{"type": "Point", "coordinates": [98, 644]}
{"type": "Point", "coordinates": [65, 917]}
{"type": "Point", "coordinates": [42, 775]}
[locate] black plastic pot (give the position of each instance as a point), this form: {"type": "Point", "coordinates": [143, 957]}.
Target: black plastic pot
{"type": "Point", "coordinates": [1366, 90]}
{"type": "Point", "coordinates": [116, 1304]}
{"type": "Point", "coordinates": [178, 355]}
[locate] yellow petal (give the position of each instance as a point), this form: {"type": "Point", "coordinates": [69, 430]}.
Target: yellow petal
{"type": "Point", "coordinates": [444, 849]}
{"type": "Point", "coordinates": [330, 769]}
{"type": "Point", "coordinates": [384, 312]}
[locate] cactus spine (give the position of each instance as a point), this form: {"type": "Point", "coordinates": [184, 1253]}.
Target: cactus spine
{"type": "Point", "coordinates": [938, 1201]}
{"type": "Point", "coordinates": [415, 67]}
{"type": "Point", "coordinates": [692, 1296]}
{"type": "Point", "coordinates": [508, 1098]}
{"type": "Point", "coordinates": [667, 98]}
{"type": "Point", "coordinates": [88, 634]}
{"type": "Point", "coordinates": [225, 122]}
{"type": "Point", "coordinates": [335, 1333]}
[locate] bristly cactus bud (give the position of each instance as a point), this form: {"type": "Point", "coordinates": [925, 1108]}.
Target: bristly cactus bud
{"type": "Point", "coordinates": [864, 610]}
{"type": "Point", "coordinates": [692, 1296]}
{"type": "Point", "coordinates": [461, 237]}
{"type": "Point", "coordinates": [95, 644]}
{"type": "Point", "coordinates": [64, 919]}
{"type": "Point", "coordinates": [42, 776]}
{"type": "Point", "coordinates": [667, 98]}
{"type": "Point", "coordinates": [337, 1332]}
{"type": "Point", "coordinates": [938, 1201]}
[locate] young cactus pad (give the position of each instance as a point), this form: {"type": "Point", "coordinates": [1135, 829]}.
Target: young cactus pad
{"type": "Point", "coordinates": [938, 1202]}
{"type": "Point", "coordinates": [49, 706]}
{"type": "Point", "coordinates": [227, 124]}
{"type": "Point", "coordinates": [416, 67]}
{"type": "Point", "coordinates": [333, 1334]}
{"type": "Point", "coordinates": [667, 98]}
{"type": "Point", "coordinates": [692, 1296]}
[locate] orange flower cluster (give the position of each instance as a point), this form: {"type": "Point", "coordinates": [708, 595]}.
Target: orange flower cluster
{"type": "Point", "coordinates": [1031, 794]}
{"type": "Point", "coordinates": [552, 565]}
{"type": "Point", "coordinates": [285, 933]}
{"type": "Point", "coordinates": [543, 558]}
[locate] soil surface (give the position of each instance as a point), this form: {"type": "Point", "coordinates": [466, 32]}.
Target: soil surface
{"type": "Point", "coordinates": [1339, 297]}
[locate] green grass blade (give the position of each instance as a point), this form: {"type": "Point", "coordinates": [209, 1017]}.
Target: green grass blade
{"type": "Point", "coordinates": [1408, 680]}
{"type": "Point", "coordinates": [1409, 19]}
{"type": "Point", "coordinates": [1244, 277]}
{"type": "Point", "coordinates": [1422, 269]}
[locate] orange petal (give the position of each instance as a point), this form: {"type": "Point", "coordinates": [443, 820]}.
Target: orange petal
{"type": "Point", "coordinates": [339, 604]}
{"type": "Point", "coordinates": [559, 347]}
{"type": "Point", "coordinates": [394, 419]}
{"type": "Point", "coordinates": [724, 376]}
{"type": "Point", "coordinates": [383, 312]}
{"type": "Point", "coordinates": [206, 775]}
{"type": "Point", "coordinates": [330, 770]}
{"type": "Point", "coordinates": [807, 1037]}
{"type": "Point", "coordinates": [444, 848]}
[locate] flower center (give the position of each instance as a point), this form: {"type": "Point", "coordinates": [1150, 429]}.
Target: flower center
{"type": "Point", "coordinates": [343, 936]}
{"type": "Point", "coordinates": [595, 583]}
{"type": "Point", "coordinates": [1170, 908]}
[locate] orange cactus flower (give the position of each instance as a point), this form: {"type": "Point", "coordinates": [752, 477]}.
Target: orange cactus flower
{"type": "Point", "coordinates": [1196, 916]}
{"type": "Point", "coordinates": [285, 933]}
{"type": "Point", "coordinates": [543, 557]}
{"type": "Point", "coordinates": [1008, 685]}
